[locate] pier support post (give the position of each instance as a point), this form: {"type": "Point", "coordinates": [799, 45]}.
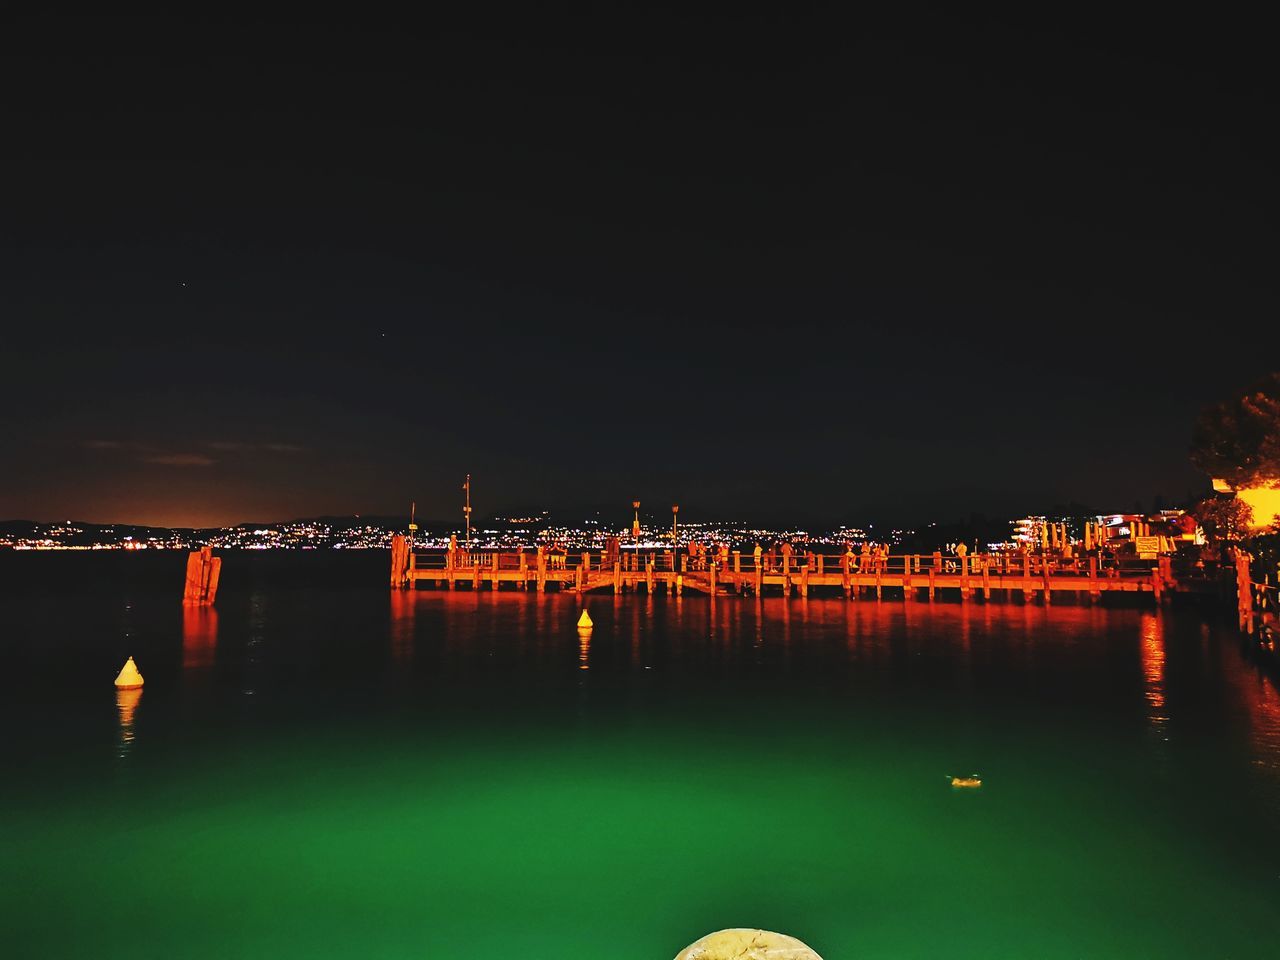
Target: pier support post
{"type": "Point", "coordinates": [804, 582]}
{"type": "Point", "coordinates": [964, 578]}
{"type": "Point", "coordinates": [1048, 587]}
{"type": "Point", "coordinates": [933, 572]}
{"type": "Point", "coordinates": [648, 577]}
{"type": "Point", "coordinates": [908, 592]}
{"type": "Point", "coordinates": [1244, 592]}
{"type": "Point", "coordinates": [711, 575]}
{"type": "Point", "coordinates": [399, 564]}
{"type": "Point", "coordinates": [617, 577]}
{"type": "Point", "coordinates": [1095, 592]}
{"type": "Point", "coordinates": [986, 577]}
{"type": "Point", "coordinates": [737, 561]}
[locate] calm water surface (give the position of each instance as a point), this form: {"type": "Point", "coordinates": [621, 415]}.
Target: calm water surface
{"type": "Point", "coordinates": [321, 768]}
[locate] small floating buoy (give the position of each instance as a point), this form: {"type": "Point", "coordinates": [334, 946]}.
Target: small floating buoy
{"type": "Point", "coordinates": [756, 944]}
{"type": "Point", "coordinates": [584, 621]}
{"type": "Point", "coordinates": [129, 678]}
{"type": "Point", "coordinates": [973, 781]}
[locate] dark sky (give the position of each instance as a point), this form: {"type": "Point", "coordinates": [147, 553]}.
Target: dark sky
{"type": "Point", "coordinates": [828, 266]}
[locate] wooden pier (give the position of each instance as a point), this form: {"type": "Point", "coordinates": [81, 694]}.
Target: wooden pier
{"type": "Point", "coordinates": [1028, 576]}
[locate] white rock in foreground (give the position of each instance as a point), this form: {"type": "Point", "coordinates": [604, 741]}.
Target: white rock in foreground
{"type": "Point", "coordinates": [742, 944]}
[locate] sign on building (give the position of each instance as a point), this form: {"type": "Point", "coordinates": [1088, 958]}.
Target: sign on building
{"type": "Point", "coordinates": [1148, 547]}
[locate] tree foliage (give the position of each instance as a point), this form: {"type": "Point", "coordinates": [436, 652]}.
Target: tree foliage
{"type": "Point", "coordinates": [1224, 518]}
{"type": "Point", "coordinates": [1239, 439]}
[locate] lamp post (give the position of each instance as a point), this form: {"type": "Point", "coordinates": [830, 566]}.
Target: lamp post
{"type": "Point", "coordinates": [635, 533]}
{"type": "Point", "coordinates": [675, 509]}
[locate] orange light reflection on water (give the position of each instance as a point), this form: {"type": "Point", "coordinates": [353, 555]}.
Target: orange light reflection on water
{"type": "Point", "coordinates": [403, 616]}
{"type": "Point", "coordinates": [1153, 673]}
{"type": "Point", "coordinates": [126, 705]}
{"type": "Point", "coordinates": [199, 636]}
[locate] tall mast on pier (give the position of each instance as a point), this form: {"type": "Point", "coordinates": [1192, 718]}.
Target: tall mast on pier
{"type": "Point", "coordinates": [466, 510]}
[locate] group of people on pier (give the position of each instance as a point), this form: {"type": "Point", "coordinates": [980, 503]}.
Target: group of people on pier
{"type": "Point", "coordinates": [869, 558]}
{"type": "Point", "coordinates": [701, 555]}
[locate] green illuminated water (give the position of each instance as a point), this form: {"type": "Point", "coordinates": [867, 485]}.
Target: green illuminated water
{"type": "Point", "coordinates": [321, 769]}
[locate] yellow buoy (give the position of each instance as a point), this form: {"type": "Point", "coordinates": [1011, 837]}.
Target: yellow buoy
{"type": "Point", "coordinates": [129, 678]}
{"type": "Point", "coordinates": [584, 621]}
{"type": "Point", "coordinates": [747, 945]}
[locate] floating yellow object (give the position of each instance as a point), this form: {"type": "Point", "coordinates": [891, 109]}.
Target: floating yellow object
{"type": "Point", "coordinates": [129, 678]}
{"type": "Point", "coordinates": [584, 621]}
{"type": "Point", "coordinates": [966, 781]}
{"type": "Point", "coordinates": [743, 944]}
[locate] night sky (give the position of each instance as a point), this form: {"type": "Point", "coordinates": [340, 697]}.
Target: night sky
{"type": "Point", "coordinates": [824, 268]}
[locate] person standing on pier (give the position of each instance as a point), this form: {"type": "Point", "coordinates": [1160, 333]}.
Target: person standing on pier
{"type": "Point", "coordinates": [864, 557]}
{"type": "Point", "coordinates": [755, 555]}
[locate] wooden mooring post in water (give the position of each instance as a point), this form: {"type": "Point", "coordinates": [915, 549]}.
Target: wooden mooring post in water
{"type": "Point", "coordinates": [203, 570]}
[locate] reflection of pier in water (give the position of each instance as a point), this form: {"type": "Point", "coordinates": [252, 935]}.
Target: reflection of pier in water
{"type": "Point", "coordinates": [199, 636]}
{"type": "Point", "coordinates": [1153, 672]}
